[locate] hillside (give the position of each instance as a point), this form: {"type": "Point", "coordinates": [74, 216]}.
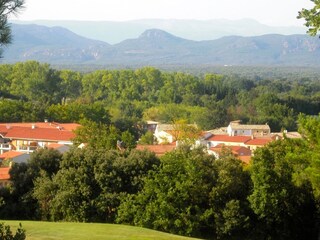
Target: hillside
{"type": "Point", "coordinates": [156, 47]}
{"type": "Point", "coordinates": [197, 30]}
{"type": "Point", "coordinates": [55, 44]}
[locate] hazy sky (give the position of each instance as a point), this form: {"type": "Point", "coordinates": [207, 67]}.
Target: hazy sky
{"type": "Point", "coordinates": [272, 12]}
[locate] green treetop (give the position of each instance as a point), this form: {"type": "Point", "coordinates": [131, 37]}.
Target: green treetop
{"type": "Point", "coordinates": [312, 17]}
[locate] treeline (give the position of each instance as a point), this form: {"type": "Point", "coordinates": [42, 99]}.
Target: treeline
{"type": "Point", "coordinates": [184, 192]}
{"type": "Point", "coordinates": [31, 91]}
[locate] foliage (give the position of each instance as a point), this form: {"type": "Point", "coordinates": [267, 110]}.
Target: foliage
{"type": "Point", "coordinates": [185, 133]}
{"type": "Point", "coordinates": [125, 97]}
{"type": "Point", "coordinates": [75, 112]}
{"type": "Point", "coordinates": [6, 233]}
{"type": "Point", "coordinates": [310, 128]}
{"type": "Point", "coordinates": [285, 208]}
{"type": "Point", "coordinates": [19, 203]}
{"type": "Point", "coordinates": [91, 182]}
{"type": "Point", "coordinates": [174, 197]}
{"type": "Point", "coordinates": [147, 139]}
{"type": "Point", "coordinates": [191, 194]}
{"type": "Point", "coordinates": [312, 17]}
{"type": "Point", "coordinates": [96, 135]}
{"type": "Point", "coordinates": [7, 8]}
{"type": "Point", "coordinates": [229, 206]}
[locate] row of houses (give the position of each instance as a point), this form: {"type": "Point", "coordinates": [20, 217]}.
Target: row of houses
{"type": "Point", "coordinates": [19, 140]}
{"type": "Point", "coordinates": [241, 140]}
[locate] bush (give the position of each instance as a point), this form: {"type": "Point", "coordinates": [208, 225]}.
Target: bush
{"type": "Point", "coordinates": [6, 233]}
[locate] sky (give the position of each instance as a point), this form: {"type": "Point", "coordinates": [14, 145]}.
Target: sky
{"type": "Point", "coordinates": [270, 12]}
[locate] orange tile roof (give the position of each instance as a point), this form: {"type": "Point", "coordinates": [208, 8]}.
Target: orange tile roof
{"type": "Point", "coordinates": [259, 141]}
{"type": "Point", "coordinates": [49, 134]}
{"type": "Point", "coordinates": [245, 159]}
{"type": "Point", "coordinates": [4, 173]}
{"type": "Point", "coordinates": [55, 145]}
{"type": "Point", "coordinates": [10, 154]}
{"type": "Point", "coordinates": [227, 138]}
{"type": "Point", "coordinates": [3, 130]}
{"type": "Point", "coordinates": [53, 125]}
{"type": "Point", "coordinates": [237, 150]}
{"type": "Point", "coordinates": [159, 149]}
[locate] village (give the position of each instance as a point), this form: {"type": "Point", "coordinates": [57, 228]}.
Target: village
{"type": "Point", "coordinates": [19, 140]}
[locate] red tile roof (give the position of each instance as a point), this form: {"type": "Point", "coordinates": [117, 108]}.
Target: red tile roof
{"type": "Point", "coordinates": [237, 150]}
{"type": "Point", "coordinates": [10, 154]}
{"type": "Point", "coordinates": [3, 130]}
{"type": "Point", "coordinates": [49, 134]}
{"type": "Point", "coordinates": [227, 138]}
{"type": "Point", "coordinates": [159, 149]}
{"type": "Point", "coordinates": [245, 159]}
{"type": "Point", "coordinates": [55, 145]}
{"type": "Point", "coordinates": [39, 131]}
{"type": "Point", "coordinates": [53, 125]}
{"type": "Point", "coordinates": [259, 141]}
{"type": "Point", "coordinates": [240, 152]}
{"type": "Point", "coordinates": [4, 173]}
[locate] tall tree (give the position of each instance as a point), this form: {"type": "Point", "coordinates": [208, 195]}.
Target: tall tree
{"type": "Point", "coordinates": [20, 203]}
{"type": "Point", "coordinates": [175, 196]}
{"type": "Point", "coordinates": [7, 7]}
{"type": "Point", "coordinates": [282, 200]}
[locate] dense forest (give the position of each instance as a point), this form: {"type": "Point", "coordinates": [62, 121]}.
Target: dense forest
{"type": "Point", "coordinates": [31, 91]}
{"type": "Point", "coordinates": [186, 191]}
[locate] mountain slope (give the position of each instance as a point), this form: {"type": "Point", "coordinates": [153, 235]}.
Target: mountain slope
{"type": "Point", "coordinates": [156, 47]}
{"type": "Point", "coordinates": [51, 44]}
{"type": "Point", "coordinates": [197, 30]}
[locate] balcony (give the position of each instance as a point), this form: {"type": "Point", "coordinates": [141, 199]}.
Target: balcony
{"type": "Point", "coordinates": [5, 147]}
{"type": "Point", "coordinates": [27, 148]}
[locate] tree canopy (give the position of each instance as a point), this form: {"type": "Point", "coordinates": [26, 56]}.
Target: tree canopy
{"type": "Point", "coordinates": [7, 7]}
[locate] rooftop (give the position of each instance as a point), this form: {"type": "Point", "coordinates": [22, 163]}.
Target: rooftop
{"type": "Point", "coordinates": [227, 138]}
{"type": "Point", "coordinates": [4, 173]}
{"type": "Point", "coordinates": [237, 126]}
{"type": "Point", "coordinates": [159, 149]}
{"type": "Point", "coordinates": [11, 154]}
{"type": "Point", "coordinates": [259, 141]}
{"type": "Point", "coordinates": [39, 131]}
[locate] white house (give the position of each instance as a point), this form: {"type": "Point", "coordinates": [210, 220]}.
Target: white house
{"type": "Point", "coordinates": [237, 129]}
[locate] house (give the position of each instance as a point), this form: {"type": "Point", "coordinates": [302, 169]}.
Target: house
{"type": "Point", "coordinates": [62, 148]}
{"type": "Point", "coordinates": [151, 126]}
{"type": "Point", "coordinates": [227, 140]}
{"type": "Point", "coordinates": [27, 137]}
{"type": "Point", "coordinates": [4, 176]}
{"type": "Point", "coordinates": [164, 133]}
{"type": "Point", "coordinates": [159, 149]}
{"type": "Point", "coordinates": [255, 143]}
{"type": "Point", "coordinates": [240, 152]}
{"type": "Point", "coordinates": [15, 156]}
{"type": "Point", "coordinates": [237, 129]}
{"type": "Point", "coordinates": [168, 133]}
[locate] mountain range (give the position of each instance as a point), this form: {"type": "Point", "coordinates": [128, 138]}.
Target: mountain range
{"type": "Point", "coordinates": [198, 30]}
{"type": "Point", "coordinates": [58, 45]}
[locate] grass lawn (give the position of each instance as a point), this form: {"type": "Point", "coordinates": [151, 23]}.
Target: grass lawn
{"type": "Point", "coordinates": [87, 231]}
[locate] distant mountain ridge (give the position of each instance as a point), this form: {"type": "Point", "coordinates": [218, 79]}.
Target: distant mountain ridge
{"type": "Point", "coordinates": [197, 30]}
{"type": "Point", "coordinates": [156, 47]}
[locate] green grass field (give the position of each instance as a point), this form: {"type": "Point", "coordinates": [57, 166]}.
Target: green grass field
{"type": "Point", "coordinates": [87, 231]}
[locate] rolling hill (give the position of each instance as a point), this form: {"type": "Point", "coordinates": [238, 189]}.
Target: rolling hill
{"type": "Point", "coordinates": [57, 45]}
{"type": "Point", "coordinates": [198, 30]}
